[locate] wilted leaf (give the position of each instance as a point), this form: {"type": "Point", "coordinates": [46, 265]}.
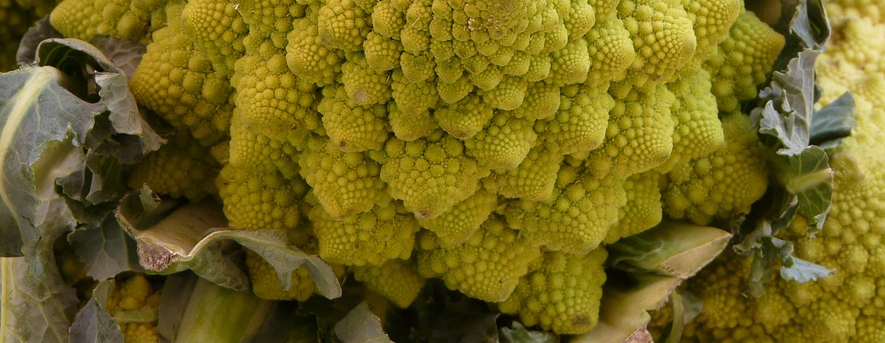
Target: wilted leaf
{"type": "Point", "coordinates": [193, 237]}
{"type": "Point", "coordinates": [360, 325]}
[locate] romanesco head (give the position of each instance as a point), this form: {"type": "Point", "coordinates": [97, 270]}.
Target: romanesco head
{"type": "Point", "coordinates": [177, 81]}
{"type": "Point", "coordinates": [256, 199]}
{"type": "Point", "coordinates": [345, 183]}
{"type": "Point", "coordinates": [743, 60]}
{"type": "Point", "coordinates": [181, 167]}
{"type": "Point", "coordinates": [369, 238]}
{"type": "Point", "coordinates": [218, 30]}
{"type": "Point", "coordinates": [487, 266]}
{"type": "Point", "coordinates": [456, 225]}
{"type": "Point", "coordinates": [578, 215]}
{"type": "Point", "coordinates": [397, 280]}
{"type": "Point", "coordinates": [722, 184]}
{"type": "Point", "coordinates": [431, 174]}
{"type": "Point", "coordinates": [563, 296]}
{"type": "Point", "coordinates": [643, 208]}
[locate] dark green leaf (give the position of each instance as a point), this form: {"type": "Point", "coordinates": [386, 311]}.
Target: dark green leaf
{"type": "Point", "coordinates": [93, 323]}
{"type": "Point", "coordinates": [37, 307]}
{"type": "Point", "coordinates": [788, 113]}
{"type": "Point", "coordinates": [812, 183]}
{"type": "Point", "coordinates": [47, 117]}
{"type": "Point", "coordinates": [810, 24]}
{"type": "Point", "coordinates": [106, 250]}
{"type": "Point", "coordinates": [833, 122]}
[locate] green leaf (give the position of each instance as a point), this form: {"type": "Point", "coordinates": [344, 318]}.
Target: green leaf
{"type": "Point", "coordinates": [623, 313]}
{"type": "Point", "coordinates": [27, 48]}
{"type": "Point", "coordinates": [30, 133]}
{"type": "Point", "coordinates": [106, 250]}
{"type": "Point", "coordinates": [446, 316]}
{"type": "Point", "coordinates": [94, 323]}
{"type": "Point", "coordinates": [49, 116]}
{"type": "Point", "coordinates": [812, 183]}
{"type": "Point", "coordinates": [194, 237]}
{"type": "Point", "coordinates": [361, 325]}
{"type": "Point", "coordinates": [519, 334]}
{"type": "Point", "coordinates": [34, 307]}
{"type": "Point", "coordinates": [124, 53]}
{"type": "Point", "coordinates": [671, 249]}
{"type": "Point", "coordinates": [810, 24]}
{"type": "Point", "coordinates": [833, 122]}
{"type": "Point", "coordinates": [192, 309]}
{"type": "Point", "coordinates": [788, 113]}
{"type": "Point", "coordinates": [803, 271]}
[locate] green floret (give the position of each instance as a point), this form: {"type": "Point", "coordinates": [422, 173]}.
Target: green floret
{"type": "Point", "coordinates": [578, 215]}
{"type": "Point", "coordinates": [387, 20]}
{"type": "Point", "coordinates": [507, 95]}
{"type": "Point", "coordinates": [697, 131]}
{"type": "Point", "coordinates": [579, 124]}
{"type": "Point", "coordinates": [465, 118]}
{"type": "Point", "coordinates": [251, 150]}
{"type": "Point", "coordinates": [503, 144]}
{"type": "Point", "coordinates": [430, 174]}
{"type": "Point", "coordinates": [413, 98]}
{"type": "Point", "coordinates": [218, 31]}
{"type": "Point", "coordinates": [365, 86]}
{"type": "Point", "coordinates": [570, 65]}
{"type": "Point", "coordinates": [580, 18]}
{"type": "Point", "coordinates": [643, 208]}
{"type": "Point", "coordinates": [639, 135]}
{"type": "Point", "coordinates": [459, 223]}
{"type": "Point", "coordinates": [257, 199]}
{"type": "Point", "coordinates": [136, 295]}
{"type": "Point", "coordinates": [181, 167]}
{"type": "Point", "coordinates": [410, 126]}
{"type": "Point", "coordinates": [415, 34]}
{"type": "Point", "coordinates": [743, 60]}
{"type": "Point", "coordinates": [487, 266]}
{"type": "Point", "coordinates": [722, 184]}
{"type": "Point", "coordinates": [84, 19]}
{"type": "Point", "coordinates": [541, 101]}
{"type": "Point", "coordinates": [177, 81]}
{"type": "Point", "coordinates": [397, 280]}
{"type": "Point", "coordinates": [563, 296]}
{"type": "Point", "coordinates": [307, 57]}
{"type": "Point", "coordinates": [352, 127]}
{"type": "Point", "coordinates": [343, 25]}
{"type": "Point", "coordinates": [416, 67]}
{"type": "Point", "coordinates": [369, 238]}
{"type": "Point", "coordinates": [711, 20]}
{"type": "Point", "coordinates": [610, 49]}
{"type": "Point", "coordinates": [345, 183]}
{"type": "Point", "coordinates": [382, 53]}
{"type": "Point", "coordinates": [533, 179]}
{"type": "Point", "coordinates": [271, 19]}
{"type": "Point", "coordinates": [274, 113]}
{"type": "Point", "coordinates": [662, 38]}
